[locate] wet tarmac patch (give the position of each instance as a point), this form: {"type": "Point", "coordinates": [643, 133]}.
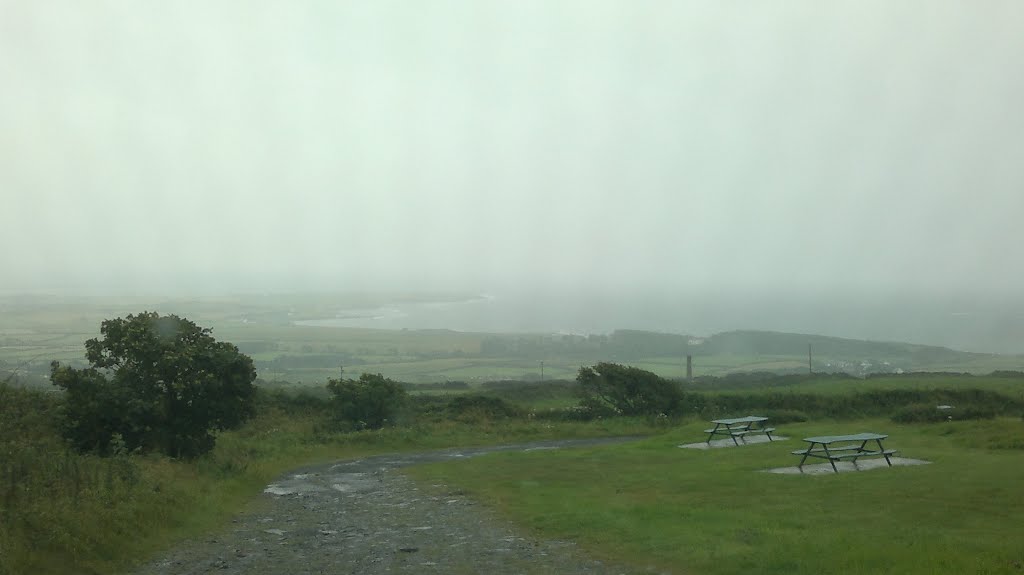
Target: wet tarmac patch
{"type": "Point", "coordinates": [846, 466]}
{"type": "Point", "coordinates": [352, 482]}
{"type": "Point", "coordinates": [720, 443]}
{"type": "Point", "coordinates": [361, 476]}
{"type": "Point", "coordinates": [294, 484]}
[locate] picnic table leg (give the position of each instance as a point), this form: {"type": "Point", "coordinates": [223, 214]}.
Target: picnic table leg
{"type": "Point", "coordinates": [733, 437]}
{"type": "Point", "coordinates": [830, 460]}
{"type": "Point", "coordinates": [712, 433]}
{"type": "Point", "coordinates": [884, 454]}
{"type": "Point", "coordinates": [806, 453]}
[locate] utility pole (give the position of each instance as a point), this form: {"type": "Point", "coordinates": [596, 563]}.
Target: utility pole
{"type": "Point", "coordinates": [542, 370]}
{"type": "Point", "coordinates": [689, 367]}
{"type": "Point", "coordinates": [809, 368]}
{"type": "Point", "coordinates": [341, 372]}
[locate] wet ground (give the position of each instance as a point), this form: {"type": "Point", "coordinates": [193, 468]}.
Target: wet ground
{"type": "Point", "coordinates": [727, 442]}
{"type": "Point", "coordinates": [364, 517]}
{"type": "Point", "coordinates": [865, 464]}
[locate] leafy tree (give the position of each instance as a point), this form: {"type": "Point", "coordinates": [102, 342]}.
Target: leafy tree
{"type": "Point", "coordinates": [370, 402]}
{"type": "Point", "coordinates": [627, 390]}
{"type": "Point", "coordinates": [159, 383]}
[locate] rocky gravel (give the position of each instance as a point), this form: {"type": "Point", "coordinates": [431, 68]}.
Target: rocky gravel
{"type": "Point", "coordinates": [365, 517]}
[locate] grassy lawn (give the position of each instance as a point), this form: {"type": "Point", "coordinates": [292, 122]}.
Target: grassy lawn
{"type": "Point", "coordinates": [653, 505]}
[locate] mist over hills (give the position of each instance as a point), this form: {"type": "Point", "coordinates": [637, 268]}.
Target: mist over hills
{"type": "Point", "coordinates": [968, 323]}
{"type": "Point", "coordinates": [427, 337]}
{"type": "Point", "coordinates": [773, 351]}
{"type": "Point", "coordinates": [752, 342]}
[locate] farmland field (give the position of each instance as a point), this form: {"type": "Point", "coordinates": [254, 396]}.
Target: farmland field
{"type": "Point", "coordinates": [34, 332]}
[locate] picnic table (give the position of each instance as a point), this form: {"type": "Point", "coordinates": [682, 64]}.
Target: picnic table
{"type": "Point", "coordinates": [739, 427]}
{"type": "Point", "coordinates": [839, 447]}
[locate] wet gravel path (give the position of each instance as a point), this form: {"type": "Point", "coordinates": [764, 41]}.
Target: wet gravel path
{"type": "Point", "coordinates": [364, 517]}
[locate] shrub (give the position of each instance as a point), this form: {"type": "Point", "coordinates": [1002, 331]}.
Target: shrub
{"type": "Point", "coordinates": [628, 390]}
{"type": "Point", "coordinates": [1007, 373]}
{"type": "Point", "coordinates": [371, 402]}
{"type": "Point", "coordinates": [161, 383]}
{"type": "Point", "coordinates": [785, 416]}
{"type": "Point", "coordinates": [929, 413]}
{"type": "Point", "coordinates": [299, 402]}
{"type": "Point", "coordinates": [471, 408]}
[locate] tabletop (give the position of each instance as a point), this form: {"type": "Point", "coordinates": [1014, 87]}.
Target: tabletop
{"type": "Point", "coordinates": [747, 419]}
{"type": "Point", "coordinates": [837, 438]}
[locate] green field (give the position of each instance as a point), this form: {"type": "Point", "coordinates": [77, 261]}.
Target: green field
{"type": "Point", "coordinates": [656, 506]}
{"type": "Point", "coordinates": [647, 504]}
{"type": "Point", "coordinates": [35, 332]}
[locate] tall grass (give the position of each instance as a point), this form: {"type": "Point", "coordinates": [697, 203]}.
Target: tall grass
{"type": "Point", "coordinates": [64, 512]}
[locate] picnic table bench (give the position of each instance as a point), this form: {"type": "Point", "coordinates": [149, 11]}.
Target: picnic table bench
{"type": "Point", "coordinates": [839, 447]}
{"type": "Point", "coordinates": [739, 427]}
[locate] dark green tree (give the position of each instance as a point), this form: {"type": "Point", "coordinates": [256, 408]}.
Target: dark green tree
{"type": "Point", "coordinates": [161, 383]}
{"type": "Point", "coordinates": [371, 402]}
{"type": "Point", "coordinates": [628, 390]}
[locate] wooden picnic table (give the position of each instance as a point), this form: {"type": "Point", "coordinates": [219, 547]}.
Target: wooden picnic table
{"type": "Point", "coordinates": [839, 447]}
{"type": "Point", "coordinates": [739, 427]}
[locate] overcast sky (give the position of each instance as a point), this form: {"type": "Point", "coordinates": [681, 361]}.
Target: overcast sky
{"type": "Point", "coordinates": [867, 145]}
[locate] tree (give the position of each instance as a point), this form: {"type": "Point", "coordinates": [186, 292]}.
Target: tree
{"type": "Point", "coordinates": [370, 402]}
{"type": "Point", "coordinates": [161, 383]}
{"type": "Point", "coordinates": [628, 390]}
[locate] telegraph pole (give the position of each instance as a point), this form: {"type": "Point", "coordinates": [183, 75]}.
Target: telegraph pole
{"type": "Point", "coordinates": [542, 370]}
{"type": "Point", "coordinates": [809, 368]}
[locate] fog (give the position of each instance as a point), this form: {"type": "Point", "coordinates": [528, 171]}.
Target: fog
{"type": "Point", "coordinates": [855, 153]}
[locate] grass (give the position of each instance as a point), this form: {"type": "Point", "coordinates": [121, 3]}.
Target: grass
{"type": "Point", "coordinates": [648, 503]}
{"type": "Point", "coordinates": [651, 504]}
{"type": "Point", "coordinates": [62, 512]}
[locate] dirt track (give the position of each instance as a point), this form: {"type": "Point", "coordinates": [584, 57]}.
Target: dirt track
{"type": "Point", "coordinates": [364, 517]}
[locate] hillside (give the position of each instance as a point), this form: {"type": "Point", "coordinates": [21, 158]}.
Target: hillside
{"type": "Point", "coordinates": [775, 343]}
{"type": "Point", "coordinates": [33, 335]}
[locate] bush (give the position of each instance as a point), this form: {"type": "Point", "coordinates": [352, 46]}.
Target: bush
{"type": "Point", "coordinates": [160, 383]}
{"type": "Point", "coordinates": [298, 402]}
{"type": "Point", "coordinates": [581, 412]}
{"type": "Point", "coordinates": [1007, 373]}
{"type": "Point", "coordinates": [472, 408]}
{"type": "Point", "coordinates": [786, 416]}
{"type": "Point", "coordinates": [929, 413]}
{"type": "Point", "coordinates": [371, 402]}
{"type": "Point", "coordinates": [628, 390]}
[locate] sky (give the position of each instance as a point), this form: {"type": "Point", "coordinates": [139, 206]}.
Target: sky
{"type": "Point", "coordinates": [723, 147]}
